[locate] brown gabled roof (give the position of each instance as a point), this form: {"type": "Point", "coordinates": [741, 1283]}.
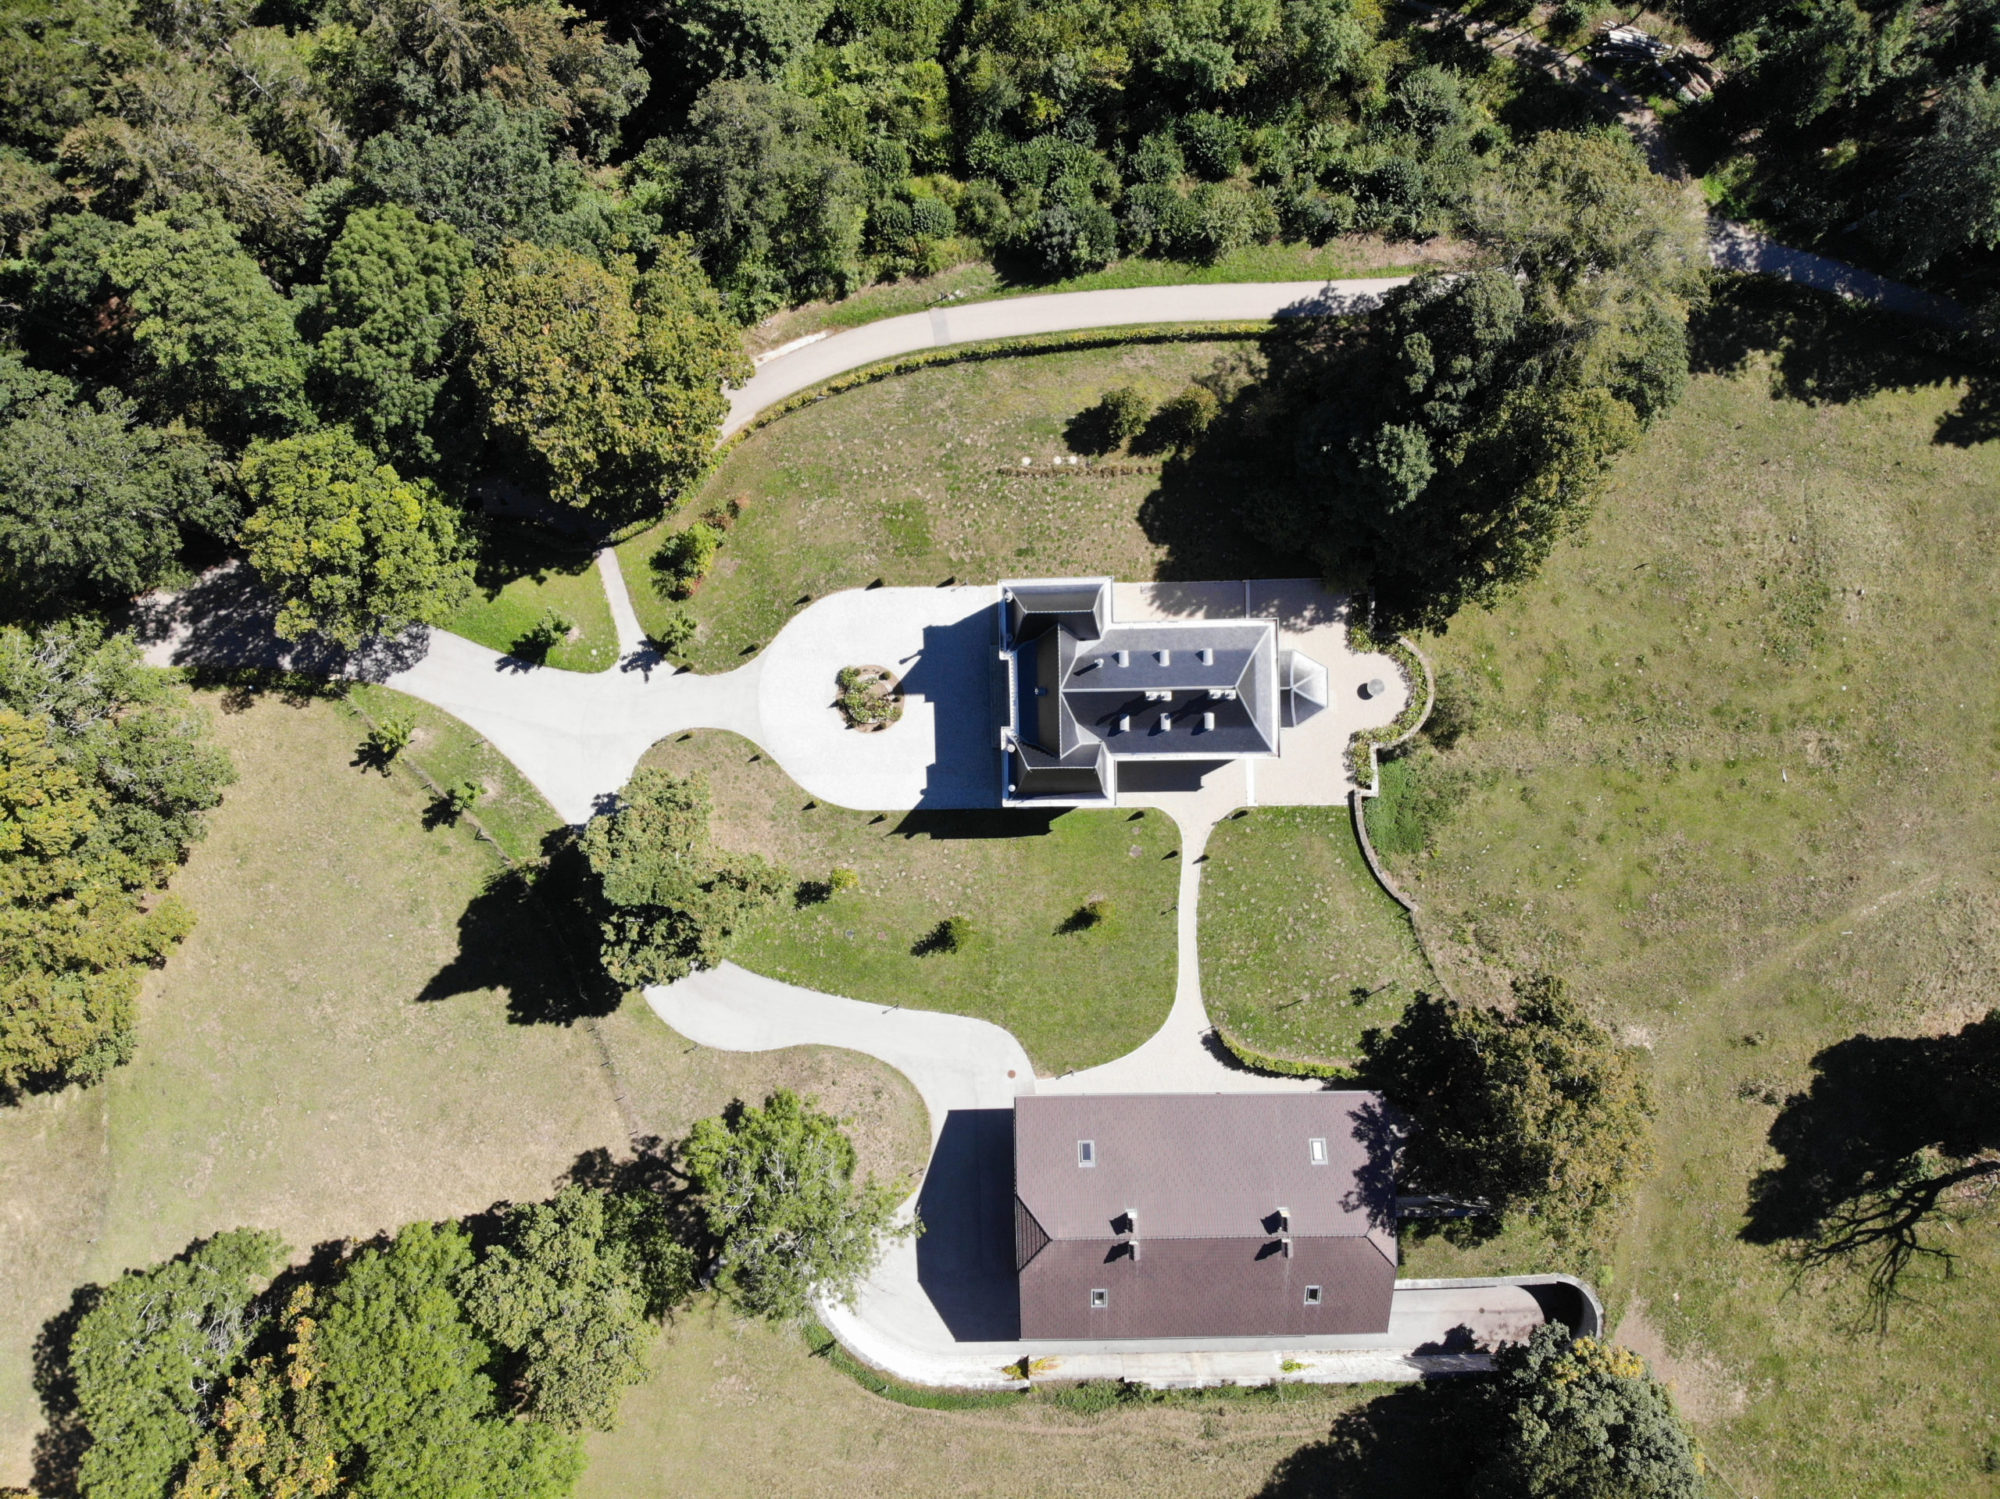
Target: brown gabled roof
{"type": "Point", "coordinates": [1233, 1212]}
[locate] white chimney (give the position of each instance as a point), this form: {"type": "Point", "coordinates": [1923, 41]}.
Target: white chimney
{"type": "Point", "coordinates": [1207, 723]}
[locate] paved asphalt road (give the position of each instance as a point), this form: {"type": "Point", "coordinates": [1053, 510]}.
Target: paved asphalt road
{"type": "Point", "coordinates": [787, 374]}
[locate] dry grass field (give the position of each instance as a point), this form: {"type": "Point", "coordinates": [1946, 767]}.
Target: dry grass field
{"type": "Point", "coordinates": [1739, 785]}
{"type": "Point", "coordinates": [327, 1059]}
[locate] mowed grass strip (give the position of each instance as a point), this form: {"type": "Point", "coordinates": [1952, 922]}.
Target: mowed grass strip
{"type": "Point", "coordinates": [1301, 950]}
{"type": "Point", "coordinates": [1738, 785]}
{"type": "Point", "coordinates": [917, 479]}
{"type": "Point", "coordinates": [335, 1052]}
{"type": "Point", "coordinates": [520, 577]}
{"type": "Point", "coordinates": [1073, 998]}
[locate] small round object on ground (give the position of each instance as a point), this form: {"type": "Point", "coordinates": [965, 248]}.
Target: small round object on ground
{"type": "Point", "coordinates": [1374, 687]}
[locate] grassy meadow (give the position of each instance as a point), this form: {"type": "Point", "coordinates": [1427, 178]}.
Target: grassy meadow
{"type": "Point", "coordinates": [520, 577]}
{"type": "Point", "coordinates": [1073, 998]}
{"type": "Point", "coordinates": [1737, 782]}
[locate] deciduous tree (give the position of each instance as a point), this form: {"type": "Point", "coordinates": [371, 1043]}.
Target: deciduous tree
{"type": "Point", "coordinates": [393, 287]}
{"type": "Point", "coordinates": [407, 1390]}
{"type": "Point", "coordinates": [613, 380]}
{"type": "Point", "coordinates": [1539, 1113]}
{"type": "Point", "coordinates": [215, 339]}
{"type": "Point", "coordinates": [570, 1290]}
{"type": "Point", "coordinates": [94, 503]}
{"type": "Point", "coordinates": [671, 900]}
{"type": "Point", "coordinates": [350, 548]}
{"type": "Point", "coordinates": [776, 1189]}
{"type": "Point", "coordinates": [149, 1356]}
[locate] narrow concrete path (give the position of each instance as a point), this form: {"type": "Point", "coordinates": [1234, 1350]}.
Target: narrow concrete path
{"type": "Point", "coordinates": [631, 638]}
{"type": "Point", "coordinates": [786, 374]}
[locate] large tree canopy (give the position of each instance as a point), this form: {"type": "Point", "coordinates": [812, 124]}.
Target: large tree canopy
{"type": "Point", "coordinates": [612, 379]}
{"type": "Point", "coordinates": [350, 548]}
{"type": "Point", "coordinates": [571, 1290]}
{"type": "Point", "coordinates": [789, 1223]}
{"type": "Point", "coordinates": [774, 210]}
{"type": "Point", "coordinates": [407, 1389]}
{"type": "Point", "coordinates": [147, 1355]}
{"type": "Point", "coordinates": [393, 285]}
{"type": "Point", "coordinates": [671, 901]}
{"type": "Point", "coordinates": [1538, 1113]}
{"type": "Point", "coordinates": [214, 338]}
{"type": "Point", "coordinates": [1576, 1418]}
{"type": "Point", "coordinates": [94, 503]}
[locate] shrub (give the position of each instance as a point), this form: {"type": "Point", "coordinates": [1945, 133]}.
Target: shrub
{"type": "Point", "coordinates": [953, 934]}
{"type": "Point", "coordinates": [683, 559]}
{"type": "Point", "coordinates": [675, 633]}
{"type": "Point", "coordinates": [840, 878]}
{"type": "Point", "coordinates": [544, 635]}
{"type": "Point", "coordinates": [389, 738]}
{"type": "Point", "coordinates": [1213, 144]}
{"type": "Point", "coordinates": [1184, 418]}
{"type": "Point", "coordinates": [462, 796]}
{"type": "Point", "coordinates": [1125, 413]}
{"type": "Point", "coordinates": [868, 696]}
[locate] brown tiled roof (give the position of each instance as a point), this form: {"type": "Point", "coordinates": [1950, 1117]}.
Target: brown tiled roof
{"type": "Point", "coordinates": [1198, 1182]}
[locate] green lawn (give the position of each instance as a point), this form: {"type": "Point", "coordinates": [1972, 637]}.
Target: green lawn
{"type": "Point", "coordinates": [917, 479]}
{"type": "Point", "coordinates": [1073, 998]}
{"type": "Point", "coordinates": [1300, 949]}
{"type": "Point", "coordinates": [445, 751]}
{"type": "Point", "coordinates": [521, 575]}
{"type": "Point", "coordinates": [338, 1049]}
{"type": "Point", "coordinates": [1739, 786]}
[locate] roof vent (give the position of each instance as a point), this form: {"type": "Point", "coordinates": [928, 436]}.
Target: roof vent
{"type": "Point", "coordinates": [1208, 723]}
{"type": "Point", "coordinates": [1099, 1300]}
{"type": "Point", "coordinates": [1284, 1220]}
{"type": "Point", "coordinates": [1312, 1295]}
{"type": "Point", "coordinates": [1316, 1150]}
{"type": "Point", "coordinates": [1165, 658]}
{"type": "Point", "coordinates": [1287, 1242]}
{"type": "Point", "coordinates": [1124, 658]}
{"type": "Point", "coordinates": [1205, 656]}
{"type": "Point", "coordinates": [1166, 723]}
{"type": "Point", "coordinates": [1086, 1152]}
{"type": "Point", "coordinates": [1124, 723]}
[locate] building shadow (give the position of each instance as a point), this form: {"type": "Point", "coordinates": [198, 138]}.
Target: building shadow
{"type": "Point", "coordinates": [958, 673]}
{"type": "Point", "coordinates": [965, 1258]}
{"type": "Point", "coordinates": [1893, 1137]}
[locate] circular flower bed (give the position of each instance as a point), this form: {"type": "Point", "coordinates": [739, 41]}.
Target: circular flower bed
{"type": "Point", "coordinates": [870, 697]}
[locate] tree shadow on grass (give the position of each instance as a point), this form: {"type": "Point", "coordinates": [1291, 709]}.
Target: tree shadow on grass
{"type": "Point", "coordinates": [531, 933]}
{"type": "Point", "coordinates": [60, 1444]}
{"type": "Point", "coordinates": [1830, 351]}
{"type": "Point", "coordinates": [1895, 1136]}
{"type": "Point", "coordinates": [1408, 1444]}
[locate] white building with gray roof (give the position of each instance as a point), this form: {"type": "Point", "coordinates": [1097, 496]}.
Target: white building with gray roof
{"type": "Point", "coordinates": [1087, 693]}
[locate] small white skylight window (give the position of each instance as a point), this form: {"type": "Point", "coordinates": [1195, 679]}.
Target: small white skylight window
{"type": "Point", "coordinates": [1099, 1300]}
{"type": "Point", "coordinates": [1312, 1295]}
{"type": "Point", "coordinates": [1086, 1152]}
{"type": "Point", "coordinates": [1316, 1149]}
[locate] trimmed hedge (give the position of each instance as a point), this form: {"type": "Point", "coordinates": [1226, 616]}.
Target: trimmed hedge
{"type": "Point", "coordinates": [1257, 1061]}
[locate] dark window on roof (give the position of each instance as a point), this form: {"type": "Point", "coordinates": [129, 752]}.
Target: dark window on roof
{"type": "Point", "coordinates": [1316, 1149]}
{"type": "Point", "coordinates": [1099, 1300]}
{"type": "Point", "coordinates": [1086, 1152]}
{"type": "Point", "coordinates": [1312, 1295]}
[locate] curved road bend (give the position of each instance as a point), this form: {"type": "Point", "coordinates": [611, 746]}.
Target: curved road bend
{"type": "Point", "coordinates": [787, 374]}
